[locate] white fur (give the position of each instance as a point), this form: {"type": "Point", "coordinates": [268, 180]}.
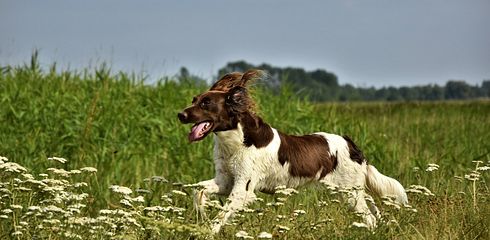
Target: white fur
{"type": "Point", "coordinates": [241, 170]}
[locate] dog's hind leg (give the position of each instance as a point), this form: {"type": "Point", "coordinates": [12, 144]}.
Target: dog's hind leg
{"type": "Point", "coordinates": [357, 201]}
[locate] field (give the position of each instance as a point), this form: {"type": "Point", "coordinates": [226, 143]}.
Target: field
{"type": "Point", "coordinates": [128, 158]}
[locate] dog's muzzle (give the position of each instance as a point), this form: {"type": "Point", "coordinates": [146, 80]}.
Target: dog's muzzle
{"type": "Point", "coordinates": [183, 117]}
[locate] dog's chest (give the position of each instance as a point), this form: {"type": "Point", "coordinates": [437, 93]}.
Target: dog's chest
{"type": "Point", "coordinates": [235, 159]}
{"type": "Point", "coordinates": [230, 150]}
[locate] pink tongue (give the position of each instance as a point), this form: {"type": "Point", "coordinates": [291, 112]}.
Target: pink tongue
{"type": "Point", "coordinates": [196, 131]}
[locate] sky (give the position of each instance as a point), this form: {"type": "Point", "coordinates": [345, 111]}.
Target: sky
{"type": "Point", "coordinates": [364, 42]}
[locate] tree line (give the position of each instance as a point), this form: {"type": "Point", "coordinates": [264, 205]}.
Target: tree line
{"type": "Point", "coordinates": [321, 85]}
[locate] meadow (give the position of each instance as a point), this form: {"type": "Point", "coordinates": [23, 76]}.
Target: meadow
{"type": "Point", "coordinates": [101, 155]}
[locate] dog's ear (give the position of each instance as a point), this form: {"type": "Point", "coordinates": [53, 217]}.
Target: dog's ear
{"type": "Point", "coordinates": [235, 79]}
{"type": "Point", "coordinates": [237, 99]}
{"type": "Point", "coordinates": [227, 82]}
{"type": "Point", "coordinates": [250, 76]}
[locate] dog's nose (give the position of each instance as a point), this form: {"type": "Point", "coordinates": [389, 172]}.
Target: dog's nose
{"type": "Point", "coordinates": [182, 116]}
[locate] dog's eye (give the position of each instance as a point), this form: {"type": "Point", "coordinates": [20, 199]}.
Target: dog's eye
{"type": "Point", "coordinates": [205, 102]}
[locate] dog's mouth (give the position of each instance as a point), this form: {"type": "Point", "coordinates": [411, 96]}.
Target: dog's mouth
{"type": "Point", "coordinates": [200, 130]}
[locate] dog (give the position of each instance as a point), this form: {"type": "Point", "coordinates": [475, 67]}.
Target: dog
{"type": "Point", "coordinates": [250, 155]}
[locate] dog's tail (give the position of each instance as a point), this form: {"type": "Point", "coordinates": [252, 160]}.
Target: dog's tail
{"type": "Point", "coordinates": [384, 186]}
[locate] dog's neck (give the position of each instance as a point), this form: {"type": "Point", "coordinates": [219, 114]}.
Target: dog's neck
{"type": "Point", "coordinates": [250, 130]}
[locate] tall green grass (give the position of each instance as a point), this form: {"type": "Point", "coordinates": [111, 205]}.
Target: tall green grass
{"type": "Point", "coordinates": [129, 131]}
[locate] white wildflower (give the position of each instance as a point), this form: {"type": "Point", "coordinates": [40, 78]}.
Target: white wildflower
{"type": "Point", "coordinates": [24, 223]}
{"type": "Point", "coordinates": [322, 203]}
{"type": "Point", "coordinates": [275, 204]}
{"type": "Point", "coordinates": [14, 206]}
{"type": "Point", "coordinates": [71, 235]}
{"type": "Point", "coordinates": [16, 234]}
{"type": "Point", "coordinates": [432, 167]}
{"type": "Point", "coordinates": [52, 221]}
{"type": "Point", "coordinates": [23, 189]}
{"type": "Point", "coordinates": [4, 216]}
{"type": "Point", "coordinates": [415, 169]}
{"type": "Point", "coordinates": [283, 228]}
{"type": "Point", "coordinates": [484, 168]}
{"type": "Point", "coordinates": [473, 176]}
{"type": "Point", "coordinates": [88, 169]}
{"type": "Point", "coordinates": [34, 208]}
{"type": "Point", "coordinates": [139, 199]}
{"type": "Point", "coordinates": [243, 234]}
{"type": "Point", "coordinates": [359, 225]}
{"type": "Point", "coordinates": [58, 159]}
{"type": "Point", "coordinates": [153, 209]}
{"type": "Point", "coordinates": [75, 171]}
{"type": "Point", "coordinates": [280, 187]}
{"type": "Point", "coordinates": [6, 191]}
{"type": "Point", "coordinates": [121, 189]}
{"type": "Point", "coordinates": [36, 182]}
{"type": "Point", "coordinates": [105, 212]}
{"type": "Point", "coordinates": [287, 191]}
{"type": "Point", "coordinates": [12, 167]}
{"type": "Point", "coordinates": [77, 197]}
{"type": "Point", "coordinates": [27, 176]}
{"type": "Point", "coordinates": [126, 203]}
{"type": "Point", "coordinates": [279, 217]}
{"type": "Point", "coordinates": [52, 208]}
{"type": "Point", "coordinates": [7, 211]}
{"type": "Point", "coordinates": [179, 192]}
{"type": "Point", "coordinates": [60, 172]}
{"type": "Point", "coordinates": [4, 159]}
{"type": "Point", "coordinates": [299, 212]}
{"type": "Point", "coordinates": [159, 179]}
{"type": "Point", "coordinates": [248, 210]}
{"type": "Point", "coordinates": [390, 201]}
{"type": "Point", "coordinates": [264, 235]}
{"type": "Point", "coordinates": [77, 206]}
{"type": "Point", "coordinates": [80, 184]}
{"type": "Point", "coordinates": [44, 175]}
{"type": "Point", "coordinates": [280, 199]}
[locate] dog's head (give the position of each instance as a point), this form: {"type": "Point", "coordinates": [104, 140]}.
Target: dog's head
{"type": "Point", "coordinates": [219, 108]}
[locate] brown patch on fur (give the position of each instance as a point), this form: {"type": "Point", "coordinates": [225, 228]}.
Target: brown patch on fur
{"type": "Point", "coordinates": [255, 131]}
{"type": "Point", "coordinates": [307, 155]}
{"type": "Point", "coordinates": [354, 152]}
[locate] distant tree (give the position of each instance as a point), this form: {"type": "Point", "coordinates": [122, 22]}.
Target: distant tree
{"type": "Point", "coordinates": [185, 77]}
{"type": "Point", "coordinates": [457, 90]}
{"type": "Point", "coordinates": [485, 88]}
{"type": "Point", "coordinates": [393, 94]}
{"type": "Point", "coordinates": [184, 73]}
{"type": "Point", "coordinates": [324, 77]}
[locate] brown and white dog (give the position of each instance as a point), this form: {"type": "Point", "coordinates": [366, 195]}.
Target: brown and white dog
{"type": "Point", "coordinates": [250, 156]}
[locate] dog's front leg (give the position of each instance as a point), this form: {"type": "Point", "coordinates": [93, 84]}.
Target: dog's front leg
{"type": "Point", "coordinates": [217, 185]}
{"type": "Point", "coordinates": [241, 195]}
